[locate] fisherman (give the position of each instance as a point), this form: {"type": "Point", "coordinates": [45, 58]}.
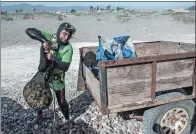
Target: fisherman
{"type": "Point", "coordinates": [60, 56]}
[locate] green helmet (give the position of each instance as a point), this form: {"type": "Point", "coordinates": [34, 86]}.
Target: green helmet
{"type": "Point", "coordinates": [70, 28]}
{"type": "Point", "coordinates": [67, 27]}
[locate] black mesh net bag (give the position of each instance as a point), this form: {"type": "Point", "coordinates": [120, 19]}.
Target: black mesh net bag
{"type": "Point", "coordinates": [37, 93]}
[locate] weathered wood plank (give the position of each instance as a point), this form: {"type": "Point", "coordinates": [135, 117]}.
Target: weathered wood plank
{"type": "Point", "coordinates": [155, 48]}
{"type": "Point", "coordinates": [80, 82]}
{"type": "Point", "coordinates": [126, 83]}
{"type": "Point", "coordinates": [103, 86]}
{"type": "Point", "coordinates": [153, 82]}
{"type": "Point", "coordinates": [133, 91]}
{"type": "Point", "coordinates": [162, 47]}
{"type": "Point", "coordinates": [148, 59]}
{"type": "Point", "coordinates": [174, 67]}
{"type": "Point", "coordinates": [144, 104]}
{"type": "Point", "coordinates": [176, 81]}
{"type": "Point", "coordinates": [84, 70]}
{"type": "Point", "coordinates": [194, 77]}
{"type": "Point", "coordinates": [129, 91]}
{"type": "Point", "coordinates": [129, 73]}
{"type": "Point", "coordinates": [93, 85]}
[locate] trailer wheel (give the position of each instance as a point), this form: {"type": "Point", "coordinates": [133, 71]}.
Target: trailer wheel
{"type": "Point", "coordinates": [172, 118]}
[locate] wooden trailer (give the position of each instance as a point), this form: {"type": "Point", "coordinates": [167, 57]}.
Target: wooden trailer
{"type": "Point", "coordinates": [135, 83]}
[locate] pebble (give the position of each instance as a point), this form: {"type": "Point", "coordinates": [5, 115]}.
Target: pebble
{"type": "Point", "coordinates": [151, 35]}
{"type": "Point", "coordinates": [93, 118]}
{"type": "Point", "coordinates": [50, 124]}
{"type": "Point", "coordinates": [48, 131]}
{"type": "Point", "coordinates": [107, 122]}
{"type": "Point", "coordinates": [5, 105]}
{"type": "Point", "coordinates": [28, 122]}
{"type": "Point", "coordinates": [35, 126]}
{"type": "Point", "coordinates": [124, 128]}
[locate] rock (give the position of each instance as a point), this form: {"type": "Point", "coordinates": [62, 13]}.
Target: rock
{"type": "Point", "coordinates": [96, 113]}
{"type": "Point", "coordinates": [103, 131]}
{"type": "Point", "coordinates": [129, 130]}
{"type": "Point", "coordinates": [119, 131]}
{"type": "Point", "coordinates": [35, 126]}
{"type": "Point", "coordinates": [109, 128]}
{"type": "Point", "coordinates": [50, 124]}
{"type": "Point", "coordinates": [105, 117]}
{"type": "Point", "coordinates": [24, 132]}
{"type": "Point", "coordinates": [93, 118]}
{"type": "Point", "coordinates": [124, 128]}
{"type": "Point", "coordinates": [88, 112]}
{"type": "Point", "coordinates": [115, 128]}
{"type": "Point", "coordinates": [18, 122]}
{"type": "Point", "coordinates": [48, 116]}
{"type": "Point", "coordinates": [151, 35]}
{"type": "Point", "coordinates": [96, 125]}
{"type": "Point", "coordinates": [88, 118]}
{"type": "Point", "coordinates": [28, 122]}
{"type": "Point", "coordinates": [25, 115]}
{"type": "Point", "coordinates": [108, 122]}
{"type": "Point", "coordinates": [17, 133]}
{"type": "Point", "coordinates": [78, 121]}
{"type": "Point", "coordinates": [103, 124]}
{"type": "Point", "coordinates": [48, 131]}
{"type": "Point", "coordinates": [115, 121]}
{"type": "Point", "coordinates": [83, 118]}
{"type": "Point", "coordinates": [5, 105]}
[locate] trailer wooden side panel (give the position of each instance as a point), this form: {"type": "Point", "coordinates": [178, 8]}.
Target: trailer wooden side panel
{"type": "Point", "coordinates": [133, 83]}
{"type": "Point", "coordinates": [93, 84]}
{"type": "Point", "coordinates": [129, 84]}
{"type": "Point", "coordinates": [174, 74]}
{"type": "Point", "coordinates": [162, 47]}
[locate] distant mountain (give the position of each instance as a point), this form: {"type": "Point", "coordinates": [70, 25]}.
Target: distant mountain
{"type": "Point", "coordinates": [191, 8]}
{"type": "Point", "coordinates": [29, 8]}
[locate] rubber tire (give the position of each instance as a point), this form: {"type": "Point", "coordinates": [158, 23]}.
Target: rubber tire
{"type": "Point", "coordinates": [154, 115]}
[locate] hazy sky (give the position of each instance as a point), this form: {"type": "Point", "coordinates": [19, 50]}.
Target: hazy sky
{"type": "Point", "coordinates": [135, 5]}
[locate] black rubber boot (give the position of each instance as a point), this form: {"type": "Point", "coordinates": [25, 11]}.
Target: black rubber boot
{"type": "Point", "coordinates": [65, 111]}
{"type": "Point", "coordinates": [39, 118]}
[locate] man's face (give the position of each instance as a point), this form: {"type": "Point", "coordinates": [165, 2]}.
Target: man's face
{"type": "Point", "coordinates": [64, 36]}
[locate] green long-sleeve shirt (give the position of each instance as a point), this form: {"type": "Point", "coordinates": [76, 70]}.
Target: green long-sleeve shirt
{"type": "Point", "coordinates": [64, 53]}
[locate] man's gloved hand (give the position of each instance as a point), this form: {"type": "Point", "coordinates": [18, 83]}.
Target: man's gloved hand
{"type": "Point", "coordinates": [46, 47]}
{"type": "Point", "coordinates": [49, 56]}
{"type": "Point", "coordinates": [47, 51]}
